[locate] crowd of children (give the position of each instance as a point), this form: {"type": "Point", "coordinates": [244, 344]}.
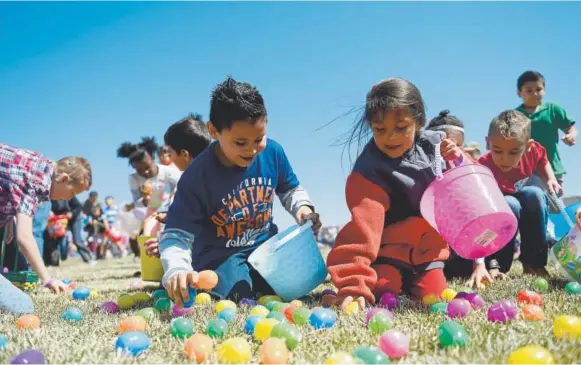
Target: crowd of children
{"type": "Point", "coordinates": [208, 203]}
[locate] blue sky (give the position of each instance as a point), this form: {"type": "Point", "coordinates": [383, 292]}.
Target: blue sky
{"type": "Point", "coordinates": [80, 78]}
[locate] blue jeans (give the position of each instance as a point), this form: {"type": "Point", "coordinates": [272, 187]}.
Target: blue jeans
{"type": "Point", "coordinates": [39, 223]}
{"type": "Point", "coordinates": [77, 230]}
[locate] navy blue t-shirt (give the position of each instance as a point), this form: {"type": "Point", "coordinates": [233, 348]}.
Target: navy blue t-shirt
{"type": "Point", "coordinates": [229, 209]}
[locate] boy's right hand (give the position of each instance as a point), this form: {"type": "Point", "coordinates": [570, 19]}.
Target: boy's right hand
{"type": "Point", "coordinates": [56, 286]}
{"type": "Point", "coordinates": [177, 286]}
{"type": "Point", "coordinates": [152, 247]}
{"type": "Point", "coordinates": [343, 302]}
{"type": "Point", "coordinates": [479, 275]}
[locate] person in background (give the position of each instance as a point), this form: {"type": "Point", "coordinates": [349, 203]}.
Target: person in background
{"type": "Point", "coordinates": [96, 228]}
{"type": "Point", "coordinates": [449, 124]}
{"type": "Point", "coordinates": [110, 211]}
{"type": "Point", "coordinates": [27, 179]}
{"type": "Point", "coordinates": [59, 246]}
{"type": "Point", "coordinates": [473, 149]}
{"type": "Point", "coordinates": [164, 156]}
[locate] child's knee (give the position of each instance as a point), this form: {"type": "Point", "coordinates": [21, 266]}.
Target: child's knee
{"type": "Point", "coordinates": [533, 199]}
{"type": "Point", "coordinates": [429, 282]}
{"type": "Point", "coordinates": [389, 279]}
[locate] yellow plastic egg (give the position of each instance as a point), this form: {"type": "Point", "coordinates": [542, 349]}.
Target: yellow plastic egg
{"type": "Point", "coordinates": [341, 358]}
{"type": "Point", "coordinates": [223, 304]}
{"type": "Point", "coordinates": [530, 354]}
{"type": "Point", "coordinates": [141, 297]}
{"type": "Point", "coordinates": [203, 298]}
{"type": "Point", "coordinates": [567, 327]}
{"type": "Point", "coordinates": [260, 311]}
{"type": "Point", "coordinates": [448, 294]}
{"type": "Point", "coordinates": [296, 303]}
{"type": "Point", "coordinates": [94, 294]}
{"type": "Point", "coordinates": [269, 298]}
{"type": "Point", "coordinates": [274, 351]}
{"type": "Point", "coordinates": [263, 328]}
{"type": "Point", "coordinates": [234, 351]}
{"type": "Point", "coordinates": [430, 299]}
{"type": "Point", "coordinates": [125, 302]}
{"type": "Point", "coordinates": [352, 309]}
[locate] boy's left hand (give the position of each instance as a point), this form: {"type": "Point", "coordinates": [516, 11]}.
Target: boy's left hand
{"type": "Point", "coordinates": [569, 139]}
{"type": "Point", "coordinates": [554, 187]}
{"type": "Point", "coordinates": [450, 150]}
{"type": "Point", "coordinates": [304, 214]}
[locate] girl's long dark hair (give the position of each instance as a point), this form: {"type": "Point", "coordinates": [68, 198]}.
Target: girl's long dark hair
{"type": "Point", "coordinates": [137, 152]}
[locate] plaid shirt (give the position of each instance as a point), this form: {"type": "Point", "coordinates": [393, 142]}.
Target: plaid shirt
{"type": "Point", "coordinates": [25, 180]}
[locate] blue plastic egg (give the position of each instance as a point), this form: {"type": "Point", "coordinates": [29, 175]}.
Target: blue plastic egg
{"type": "Point", "coordinates": [81, 293]}
{"type": "Point", "coordinates": [72, 314]}
{"type": "Point", "coordinates": [3, 342]}
{"type": "Point", "coordinates": [322, 318]}
{"type": "Point", "coordinates": [250, 324]}
{"type": "Point", "coordinates": [192, 299]}
{"type": "Point", "coordinates": [67, 281]}
{"type": "Point", "coordinates": [132, 343]}
{"type": "Point", "coordinates": [227, 314]}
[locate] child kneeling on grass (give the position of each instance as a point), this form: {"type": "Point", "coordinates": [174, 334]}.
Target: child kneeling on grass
{"type": "Point", "coordinates": [27, 179]}
{"type": "Point", "coordinates": [222, 210]}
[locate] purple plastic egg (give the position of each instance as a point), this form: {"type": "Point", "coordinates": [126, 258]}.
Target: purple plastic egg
{"type": "Point", "coordinates": [110, 307]}
{"type": "Point", "coordinates": [329, 292]}
{"type": "Point", "coordinates": [388, 300]}
{"type": "Point", "coordinates": [177, 311]}
{"type": "Point", "coordinates": [461, 295]}
{"type": "Point", "coordinates": [476, 300]}
{"type": "Point", "coordinates": [502, 311]}
{"type": "Point", "coordinates": [247, 302]}
{"type": "Point", "coordinates": [373, 311]}
{"type": "Point", "coordinates": [29, 357]}
{"type": "Point", "coordinates": [458, 308]}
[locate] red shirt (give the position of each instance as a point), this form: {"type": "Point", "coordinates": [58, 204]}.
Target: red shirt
{"type": "Point", "coordinates": [534, 159]}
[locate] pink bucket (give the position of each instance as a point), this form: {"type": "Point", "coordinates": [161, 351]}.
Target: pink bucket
{"type": "Point", "coordinates": [469, 211]}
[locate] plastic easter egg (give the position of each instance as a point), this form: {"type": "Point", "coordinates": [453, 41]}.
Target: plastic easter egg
{"type": "Point", "coordinates": [301, 316]}
{"type": "Point", "coordinates": [533, 312]}
{"type": "Point", "coordinates": [217, 328]}
{"type": "Point", "coordinates": [448, 295]}
{"type": "Point", "coordinates": [260, 311]}
{"type": "Point", "coordinates": [203, 298]}
{"type": "Point", "coordinates": [451, 333]}
{"type": "Point", "coordinates": [141, 297]}
{"type": "Point", "coordinates": [227, 314]}
{"type": "Point", "coordinates": [296, 303]}
{"type": "Point", "coordinates": [529, 297]}
{"type": "Point", "coordinates": [573, 288]}
{"type": "Point", "coordinates": [109, 307]}
{"type": "Point", "coordinates": [530, 354]}
{"type": "Point", "coordinates": [352, 309]}
{"type": "Point", "coordinates": [288, 313]}
{"type": "Point", "coordinates": [273, 351]}
{"type": "Point", "coordinates": [263, 329]}
{"type": "Point", "coordinates": [163, 304]}
{"type": "Point", "coordinates": [66, 281]}
{"type": "Point", "coordinates": [192, 297]}
{"type": "Point", "coordinates": [440, 307]}
{"type": "Point", "coordinates": [339, 358]}
{"type": "Point", "coordinates": [277, 315]}
{"type": "Point", "coordinates": [72, 314]}
{"type": "Point", "coordinates": [28, 322]}
{"type": "Point", "coordinates": [268, 298]}
{"type": "Point", "coordinates": [177, 311]}
{"type": "Point", "coordinates": [181, 327]}
{"type": "Point", "coordinates": [224, 304]}
{"type": "Point", "coordinates": [329, 292]}
{"type": "Point", "coordinates": [476, 300]}
{"type": "Point", "coordinates": [159, 293]}
{"type": "Point", "coordinates": [458, 308]}
{"type": "Point", "coordinates": [502, 311]}
{"type": "Point", "coordinates": [199, 347]}
{"type": "Point", "coordinates": [370, 355]}
{"type": "Point", "coordinates": [287, 332]}
{"type": "Point", "coordinates": [147, 313]}
{"type": "Point", "coordinates": [322, 318]}
{"type": "Point", "coordinates": [3, 342]}
{"type": "Point", "coordinates": [94, 294]}
{"type": "Point", "coordinates": [81, 293]}
{"type": "Point", "coordinates": [132, 343]}
{"type": "Point", "coordinates": [250, 324]}
{"type": "Point", "coordinates": [394, 344]}
{"type": "Point", "coordinates": [379, 323]}
{"type": "Point", "coordinates": [430, 299]}
{"type": "Point", "coordinates": [270, 305]}
{"type": "Point", "coordinates": [207, 280]}
{"type": "Point", "coordinates": [132, 324]}
{"type": "Point", "coordinates": [388, 300]}
{"type": "Point", "coordinates": [125, 302]}
{"type": "Point", "coordinates": [280, 307]}
{"type": "Point", "coordinates": [373, 311]}
{"type": "Point", "coordinates": [541, 284]}
{"type": "Point", "coordinates": [461, 295]}
{"type": "Point", "coordinates": [234, 351]}
{"type": "Point", "coordinates": [247, 302]}
{"type": "Point", "coordinates": [567, 327]}
{"type": "Point", "coordinates": [29, 357]}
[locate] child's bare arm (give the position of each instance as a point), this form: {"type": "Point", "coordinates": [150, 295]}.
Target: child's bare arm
{"type": "Point", "coordinates": [570, 137]}
{"type": "Point", "coordinates": [551, 179]}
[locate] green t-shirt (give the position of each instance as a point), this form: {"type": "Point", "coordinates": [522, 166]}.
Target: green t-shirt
{"type": "Point", "coordinates": [545, 125]}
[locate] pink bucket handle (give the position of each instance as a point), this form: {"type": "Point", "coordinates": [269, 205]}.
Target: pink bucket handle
{"type": "Point", "coordinates": [440, 161]}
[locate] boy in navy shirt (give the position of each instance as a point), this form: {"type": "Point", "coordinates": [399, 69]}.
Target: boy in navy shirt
{"type": "Point", "coordinates": [222, 209]}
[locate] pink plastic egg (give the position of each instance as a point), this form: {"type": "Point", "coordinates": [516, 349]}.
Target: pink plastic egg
{"type": "Point", "coordinates": [110, 307]}
{"type": "Point", "coordinates": [475, 300]}
{"type": "Point", "coordinates": [502, 311]}
{"type": "Point", "coordinates": [458, 308]}
{"type": "Point", "coordinates": [394, 344]}
{"type": "Point", "coordinates": [177, 311]}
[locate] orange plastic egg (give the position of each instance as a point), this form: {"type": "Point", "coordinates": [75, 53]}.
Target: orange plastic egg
{"type": "Point", "coordinates": [532, 312]}
{"type": "Point", "coordinates": [199, 347]}
{"type": "Point", "coordinates": [132, 324]}
{"type": "Point", "coordinates": [207, 280]}
{"type": "Point", "coordinates": [273, 351]}
{"type": "Point", "coordinates": [28, 322]}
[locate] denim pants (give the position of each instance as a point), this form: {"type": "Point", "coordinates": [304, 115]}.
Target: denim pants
{"type": "Point", "coordinates": [77, 230]}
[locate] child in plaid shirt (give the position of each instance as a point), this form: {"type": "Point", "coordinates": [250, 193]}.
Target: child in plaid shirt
{"type": "Point", "coordinates": [27, 179]}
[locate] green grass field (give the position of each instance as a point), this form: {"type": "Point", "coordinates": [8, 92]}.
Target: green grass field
{"type": "Point", "coordinates": [92, 339]}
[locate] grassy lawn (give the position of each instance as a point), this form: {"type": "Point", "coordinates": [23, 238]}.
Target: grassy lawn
{"type": "Point", "coordinates": [92, 339]}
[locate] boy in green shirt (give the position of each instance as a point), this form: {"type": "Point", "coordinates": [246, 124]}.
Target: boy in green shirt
{"type": "Point", "coordinates": [546, 120]}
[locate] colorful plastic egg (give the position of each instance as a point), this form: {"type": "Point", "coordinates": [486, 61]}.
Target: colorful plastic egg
{"type": "Point", "coordinates": [177, 311]}
{"type": "Point", "coordinates": [573, 288]}
{"type": "Point", "coordinates": [132, 324]}
{"type": "Point", "coordinates": [458, 308]}
{"type": "Point", "coordinates": [502, 311]}
{"type": "Point", "coordinates": [270, 305]}
{"type": "Point", "coordinates": [352, 309]}
{"type": "Point", "coordinates": [541, 284]}
{"type": "Point", "coordinates": [476, 300]}
{"type": "Point", "coordinates": [199, 347]}
{"type": "Point", "coordinates": [141, 297]}
{"type": "Point", "coordinates": [223, 304]}
{"type": "Point", "coordinates": [388, 300]}
{"type": "Point", "coordinates": [263, 329]}
{"type": "Point", "coordinates": [28, 322]}
{"type": "Point", "coordinates": [3, 342]}
{"type": "Point", "coordinates": [259, 310]}
{"type": "Point", "coordinates": [277, 315]}
{"type": "Point", "coordinates": [533, 312]}
{"type": "Point", "coordinates": [461, 295]}
{"type": "Point", "coordinates": [191, 297]}
{"type": "Point", "coordinates": [394, 344]}
{"type": "Point", "coordinates": [301, 316]}
{"type": "Point", "coordinates": [147, 313]}
{"type": "Point", "coordinates": [373, 311]}
{"type": "Point", "coordinates": [329, 292]}
{"type": "Point", "coordinates": [339, 358]}
{"type": "Point", "coordinates": [234, 351]}
{"type": "Point", "coordinates": [81, 293]}
{"type": "Point", "coordinates": [288, 313]}
{"type": "Point", "coordinates": [440, 307]}
{"type": "Point", "coordinates": [207, 280]}
{"type": "Point", "coordinates": [379, 323]}
{"type": "Point", "coordinates": [159, 293]}
{"type": "Point", "coordinates": [132, 343]}
{"type": "Point", "coordinates": [322, 318]}
{"type": "Point", "coordinates": [287, 332]}
{"type": "Point", "coordinates": [109, 307]}
{"type": "Point", "coordinates": [251, 323]}
{"type": "Point", "coordinates": [530, 354]}
{"type": "Point", "coordinates": [451, 333]}
{"type": "Point", "coordinates": [163, 304]}
{"type": "Point", "coordinates": [203, 298]}
{"type": "Point", "coordinates": [72, 314]}
{"type": "Point", "coordinates": [529, 297]}
{"type": "Point", "coordinates": [125, 302]}
{"type": "Point", "coordinates": [273, 351]}
{"type": "Point", "coordinates": [227, 314]}
{"type": "Point", "coordinates": [181, 327]}
{"type": "Point", "coordinates": [370, 355]}
{"type": "Point", "coordinates": [296, 303]}
{"type": "Point", "coordinates": [448, 295]}
{"type": "Point", "coordinates": [567, 327]}
{"type": "Point", "coordinates": [279, 307]}
{"type": "Point", "coordinates": [29, 357]}
{"type": "Point", "coordinates": [217, 328]}
{"type": "Point", "coordinates": [430, 299]}
{"type": "Point", "coordinates": [94, 294]}
{"type": "Point", "coordinates": [268, 298]}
